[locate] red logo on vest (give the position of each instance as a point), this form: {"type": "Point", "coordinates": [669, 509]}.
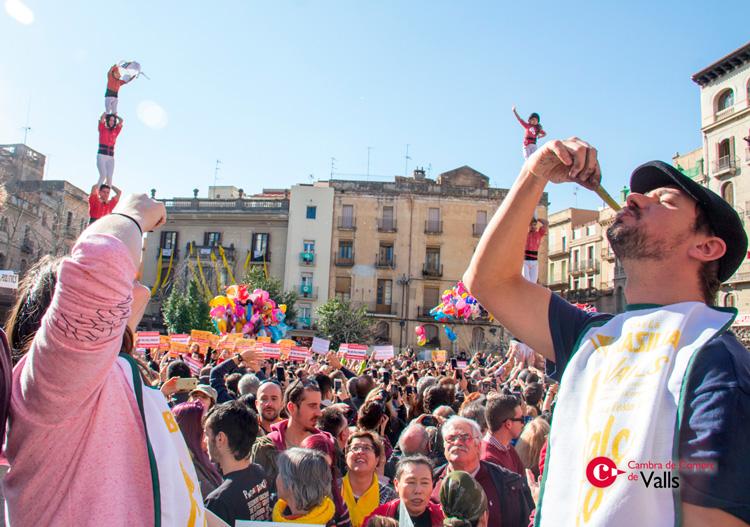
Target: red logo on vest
{"type": "Point", "coordinates": [602, 472]}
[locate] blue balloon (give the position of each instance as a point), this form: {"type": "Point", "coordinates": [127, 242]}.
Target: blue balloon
{"type": "Point", "coordinates": [450, 333]}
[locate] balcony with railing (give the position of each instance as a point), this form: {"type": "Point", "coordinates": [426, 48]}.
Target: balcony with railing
{"type": "Point", "coordinates": [347, 223]}
{"type": "Point", "coordinates": [723, 114]}
{"type": "Point", "coordinates": [344, 260]}
{"type": "Point", "coordinates": [204, 251]}
{"type": "Point", "coordinates": [241, 205]}
{"type": "Point", "coordinates": [259, 257]}
{"type": "Point", "coordinates": [433, 227]}
{"type": "Point", "coordinates": [385, 262]}
{"type": "Point", "coordinates": [583, 296]}
{"type": "Point", "coordinates": [307, 291]}
{"type": "Point", "coordinates": [580, 267]}
{"type": "Point", "coordinates": [725, 165]}
{"type": "Point", "coordinates": [424, 312]}
{"type": "Point", "coordinates": [558, 283]}
{"type": "Point", "coordinates": [477, 229]}
{"type": "Point", "coordinates": [432, 270]}
{"type": "Point", "coordinates": [387, 225]}
{"type": "Point", "coordinates": [557, 251]}
{"type": "Point", "coordinates": [307, 258]}
{"type": "Point", "coordinates": [607, 253]}
{"type": "Point", "coordinates": [306, 322]}
{"type": "Point", "coordinates": [374, 308]}
{"type": "Point", "coordinates": [171, 252]}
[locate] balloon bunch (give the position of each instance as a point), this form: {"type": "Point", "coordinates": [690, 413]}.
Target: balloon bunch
{"type": "Point", "coordinates": [457, 304]}
{"type": "Point", "coordinates": [252, 314]}
{"type": "Point", "coordinates": [421, 335]}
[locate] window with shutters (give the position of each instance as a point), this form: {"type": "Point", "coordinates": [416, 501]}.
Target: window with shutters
{"type": "Point", "coordinates": [384, 293]}
{"type": "Point", "coordinates": [430, 298]}
{"type": "Point", "coordinates": [343, 288]}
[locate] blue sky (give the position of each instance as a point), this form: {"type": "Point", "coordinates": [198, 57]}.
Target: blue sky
{"type": "Point", "coordinates": [275, 89]}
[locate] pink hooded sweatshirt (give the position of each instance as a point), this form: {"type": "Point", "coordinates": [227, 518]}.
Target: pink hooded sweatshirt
{"type": "Point", "coordinates": [76, 442]}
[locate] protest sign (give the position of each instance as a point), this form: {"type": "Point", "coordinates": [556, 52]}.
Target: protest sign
{"type": "Point", "coordinates": [195, 365]}
{"type": "Point", "coordinates": [299, 353]}
{"type": "Point", "coordinates": [147, 339]}
{"type": "Point", "coordinates": [182, 338]}
{"type": "Point", "coordinates": [320, 346]}
{"type": "Point", "coordinates": [355, 351]}
{"type": "Point", "coordinates": [271, 351]}
{"type": "Point", "coordinates": [383, 352]}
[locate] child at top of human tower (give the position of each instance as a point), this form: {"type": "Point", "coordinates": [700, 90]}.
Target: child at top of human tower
{"type": "Point", "coordinates": [533, 132]}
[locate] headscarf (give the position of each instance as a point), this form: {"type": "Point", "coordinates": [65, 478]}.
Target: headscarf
{"type": "Point", "coordinates": [463, 499]}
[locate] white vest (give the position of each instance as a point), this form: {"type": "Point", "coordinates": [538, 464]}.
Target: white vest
{"type": "Point", "coordinates": [622, 397]}
{"type": "Point", "coordinates": [177, 493]}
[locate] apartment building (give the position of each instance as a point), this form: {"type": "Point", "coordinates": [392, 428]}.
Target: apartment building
{"type": "Point", "coordinates": [308, 250]}
{"type": "Point", "coordinates": [582, 267]}
{"type": "Point", "coordinates": [725, 126]}
{"type": "Point", "coordinates": [397, 245]}
{"type": "Point", "coordinates": [201, 233]}
{"type": "Point", "coordinates": [40, 217]}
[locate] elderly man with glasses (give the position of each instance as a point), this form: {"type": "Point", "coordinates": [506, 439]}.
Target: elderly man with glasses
{"type": "Point", "coordinates": [508, 496]}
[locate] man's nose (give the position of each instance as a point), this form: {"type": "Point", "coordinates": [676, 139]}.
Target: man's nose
{"type": "Point", "coordinates": [636, 200]}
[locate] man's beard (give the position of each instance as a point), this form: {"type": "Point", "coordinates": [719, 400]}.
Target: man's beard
{"type": "Point", "coordinates": [632, 243]}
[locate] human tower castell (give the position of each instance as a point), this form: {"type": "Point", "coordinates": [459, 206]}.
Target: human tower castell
{"type": "Point", "coordinates": [113, 426]}
{"type": "Point", "coordinates": [109, 127]}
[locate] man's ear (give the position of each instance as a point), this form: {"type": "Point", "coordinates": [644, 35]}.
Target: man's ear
{"type": "Point", "coordinates": [708, 249]}
{"type": "Point", "coordinates": [221, 439]}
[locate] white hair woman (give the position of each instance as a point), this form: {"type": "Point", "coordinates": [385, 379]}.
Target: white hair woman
{"type": "Point", "coordinates": [304, 488]}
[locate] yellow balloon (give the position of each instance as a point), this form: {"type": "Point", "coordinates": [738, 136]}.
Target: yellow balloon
{"type": "Point", "coordinates": [282, 307]}
{"type": "Point", "coordinates": [219, 301]}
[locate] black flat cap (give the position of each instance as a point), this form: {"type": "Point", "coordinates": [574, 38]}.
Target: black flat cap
{"type": "Point", "coordinates": [724, 220]}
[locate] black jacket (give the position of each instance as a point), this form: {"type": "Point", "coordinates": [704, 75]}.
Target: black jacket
{"type": "Point", "coordinates": [516, 502]}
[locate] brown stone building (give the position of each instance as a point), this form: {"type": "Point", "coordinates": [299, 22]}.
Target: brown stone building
{"type": "Point", "coordinates": [39, 217]}
{"type": "Point", "coordinates": [397, 245]}
{"type": "Point", "coordinates": [249, 230]}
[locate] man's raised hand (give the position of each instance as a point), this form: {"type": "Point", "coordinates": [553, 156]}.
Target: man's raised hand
{"type": "Point", "coordinates": [572, 160]}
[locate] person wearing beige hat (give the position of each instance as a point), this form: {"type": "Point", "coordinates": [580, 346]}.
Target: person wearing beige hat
{"type": "Point", "coordinates": [205, 394]}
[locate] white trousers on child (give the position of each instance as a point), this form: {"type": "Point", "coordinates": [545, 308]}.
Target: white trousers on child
{"type": "Point", "coordinates": [106, 166]}
{"type": "Point", "coordinates": [110, 104]}
{"type": "Point", "coordinates": [530, 270]}
{"type": "Point", "coordinates": [528, 150]}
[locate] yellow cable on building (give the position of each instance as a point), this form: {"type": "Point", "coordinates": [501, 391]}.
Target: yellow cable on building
{"type": "Point", "coordinates": [215, 263]}
{"type": "Point", "coordinates": [155, 287]}
{"type": "Point", "coordinates": [226, 266]}
{"type": "Point", "coordinates": [247, 261]}
{"type": "Point", "coordinates": [206, 289]}
{"type": "Point", "coordinates": [169, 269]}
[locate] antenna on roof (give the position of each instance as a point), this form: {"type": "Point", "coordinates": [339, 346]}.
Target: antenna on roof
{"type": "Point", "coordinates": [216, 171]}
{"type": "Point", "coordinates": [406, 162]}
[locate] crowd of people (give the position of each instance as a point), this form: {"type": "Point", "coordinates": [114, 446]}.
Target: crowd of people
{"type": "Point", "coordinates": [100, 435]}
